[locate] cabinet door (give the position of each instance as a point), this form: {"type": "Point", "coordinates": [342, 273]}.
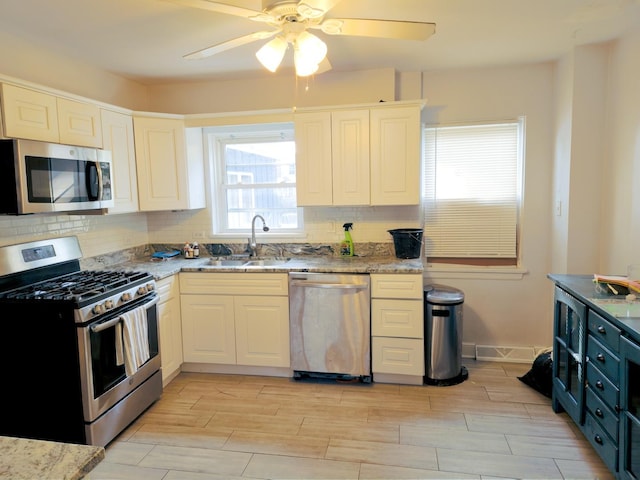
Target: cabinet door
{"type": "Point", "coordinates": [208, 331]}
{"type": "Point", "coordinates": [161, 163]}
{"type": "Point", "coordinates": [629, 465]}
{"type": "Point", "coordinates": [350, 157]}
{"type": "Point", "coordinates": [170, 337]}
{"type": "Point", "coordinates": [395, 155]}
{"type": "Point", "coordinates": [402, 356]}
{"type": "Point", "coordinates": [29, 114]}
{"type": "Point", "coordinates": [117, 136]}
{"type": "Point", "coordinates": [570, 330]}
{"type": "Point", "coordinates": [314, 185]}
{"type": "Point", "coordinates": [79, 123]}
{"type": "Point", "coordinates": [262, 331]}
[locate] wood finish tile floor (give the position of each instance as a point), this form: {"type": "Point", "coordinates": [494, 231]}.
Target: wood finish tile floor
{"type": "Point", "coordinates": [209, 426]}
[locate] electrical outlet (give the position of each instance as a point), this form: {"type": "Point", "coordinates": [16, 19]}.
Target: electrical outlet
{"type": "Point", "coordinates": [198, 235]}
{"type": "Point", "coordinates": [558, 208]}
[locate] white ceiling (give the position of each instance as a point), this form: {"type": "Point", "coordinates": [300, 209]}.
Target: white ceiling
{"type": "Point", "coordinates": [145, 40]}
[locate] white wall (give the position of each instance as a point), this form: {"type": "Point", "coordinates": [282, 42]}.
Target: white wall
{"type": "Point", "coordinates": [499, 309]}
{"type": "Point", "coordinates": [26, 62]}
{"type": "Point", "coordinates": [620, 230]}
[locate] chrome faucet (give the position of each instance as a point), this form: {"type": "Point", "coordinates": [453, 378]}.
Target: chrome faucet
{"type": "Point", "coordinates": [253, 246]}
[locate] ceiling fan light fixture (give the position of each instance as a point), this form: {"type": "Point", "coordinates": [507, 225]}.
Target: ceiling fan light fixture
{"type": "Point", "coordinates": [310, 48]}
{"type": "Point", "coordinates": [303, 68]}
{"type": "Point", "coordinates": [272, 53]}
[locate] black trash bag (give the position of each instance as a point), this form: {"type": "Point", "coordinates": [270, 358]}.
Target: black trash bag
{"type": "Point", "coordinates": [540, 377]}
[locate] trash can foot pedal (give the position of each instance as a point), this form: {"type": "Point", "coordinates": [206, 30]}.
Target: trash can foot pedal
{"type": "Point", "coordinates": [461, 377]}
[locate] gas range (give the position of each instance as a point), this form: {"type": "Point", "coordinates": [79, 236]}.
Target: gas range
{"type": "Point", "coordinates": [88, 341]}
{"type": "Point", "coordinates": [90, 292]}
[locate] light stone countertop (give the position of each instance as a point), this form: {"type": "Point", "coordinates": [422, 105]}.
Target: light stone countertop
{"type": "Point", "coordinates": [321, 264]}
{"type": "Point", "coordinates": [22, 458]}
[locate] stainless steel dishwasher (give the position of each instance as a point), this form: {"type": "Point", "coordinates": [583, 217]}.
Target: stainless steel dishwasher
{"type": "Point", "coordinates": [330, 318]}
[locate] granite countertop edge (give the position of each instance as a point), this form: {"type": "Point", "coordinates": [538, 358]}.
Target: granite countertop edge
{"type": "Point", "coordinates": [319, 264]}
{"type": "Point", "coordinates": [23, 458]}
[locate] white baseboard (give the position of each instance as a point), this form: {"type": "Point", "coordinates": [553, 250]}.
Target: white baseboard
{"type": "Point", "coordinates": [498, 353]}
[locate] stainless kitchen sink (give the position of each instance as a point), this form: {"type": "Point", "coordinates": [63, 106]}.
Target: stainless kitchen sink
{"type": "Point", "coordinates": [226, 263]}
{"type": "Point", "coordinates": [267, 262]}
{"type": "Point", "coordinates": [261, 262]}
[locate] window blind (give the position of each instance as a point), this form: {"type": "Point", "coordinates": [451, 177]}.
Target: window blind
{"type": "Point", "coordinates": [471, 190]}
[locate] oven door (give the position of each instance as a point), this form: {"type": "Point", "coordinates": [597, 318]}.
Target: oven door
{"type": "Point", "coordinates": [104, 381]}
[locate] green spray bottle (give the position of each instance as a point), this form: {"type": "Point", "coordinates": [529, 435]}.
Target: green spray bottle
{"type": "Point", "coordinates": [346, 247]}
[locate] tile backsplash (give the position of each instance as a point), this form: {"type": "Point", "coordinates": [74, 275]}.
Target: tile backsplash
{"type": "Point", "coordinates": [97, 234]}
{"type": "Point", "coordinates": [104, 234]}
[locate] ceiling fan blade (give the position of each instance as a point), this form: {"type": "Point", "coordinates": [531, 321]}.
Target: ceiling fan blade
{"type": "Point", "coordinates": [224, 8]}
{"type": "Point", "coordinates": [315, 8]}
{"type": "Point", "coordinates": [378, 28]}
{"type": "Point", "coordinates": [229, 44]}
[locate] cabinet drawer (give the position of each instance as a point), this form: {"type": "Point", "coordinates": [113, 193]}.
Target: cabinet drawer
{"type": "Point", "coordinates": [604, 331]}
{"type": "Point", "coordinates": [404, 356]}
{"type": "Point", "coordinates": [397, 318]}
{"type": "Point", "coordinates": [167, 288]}
{"type": "Point", "coordinates": [602, 443]}
{"type": "Point", "coordinates": [396, 286]}
{"type": "Point", "coordinates": [235, 283]}
{"type": "Point", "coordinates": [606, 390]}
{"type": "Point", "coordinates": [601, 357]}
{"type": "Point", "coordinates": [603, 413]}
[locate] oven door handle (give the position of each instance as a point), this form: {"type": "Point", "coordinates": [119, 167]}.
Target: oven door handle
{"type": "Point", "coordinates": [110, 323]}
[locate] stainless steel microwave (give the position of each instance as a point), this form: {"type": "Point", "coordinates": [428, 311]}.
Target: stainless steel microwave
{"type": "Point", "coordinates": [40, 177]}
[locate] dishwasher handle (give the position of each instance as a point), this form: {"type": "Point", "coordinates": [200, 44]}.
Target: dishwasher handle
{"type": "Point", "coordinates": [344, 286]}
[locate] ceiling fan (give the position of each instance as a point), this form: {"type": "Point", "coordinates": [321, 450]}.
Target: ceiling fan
{"type": "Point", "coordinates": [290, 21]}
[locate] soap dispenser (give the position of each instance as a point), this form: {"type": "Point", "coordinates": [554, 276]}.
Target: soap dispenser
{"type": "Point", "coordinates": [346, 247]}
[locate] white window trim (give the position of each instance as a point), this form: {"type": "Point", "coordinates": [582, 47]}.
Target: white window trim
{"type": "Point", "coordinates": [213, 147]}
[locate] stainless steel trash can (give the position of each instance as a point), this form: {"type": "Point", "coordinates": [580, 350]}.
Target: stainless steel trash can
{"type": "Point", "coordinates": [443, 335]}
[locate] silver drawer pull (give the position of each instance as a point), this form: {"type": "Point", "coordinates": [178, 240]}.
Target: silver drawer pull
{"type": "Point", "coordinates": [598, 439]}
{"type": "Point", "coordinates": [601, 329]}
{"type": "Point", "coordinates": [599, 385]}
{"type": "Point", "coordinates": [600, 357]}
{"type": "Point", "coordinates": [599, 413]}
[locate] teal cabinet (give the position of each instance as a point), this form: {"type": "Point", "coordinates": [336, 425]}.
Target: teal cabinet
{"type": "Point", "coordinates": [596, 371]}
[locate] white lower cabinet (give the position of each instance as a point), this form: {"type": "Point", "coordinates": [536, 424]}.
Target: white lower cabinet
{"type": "Point", "coordinates": [235, 318]}
{"type": "Point", "coordinates": [170, 327]}
{"type": "Point", "coordinates": [397, 328]}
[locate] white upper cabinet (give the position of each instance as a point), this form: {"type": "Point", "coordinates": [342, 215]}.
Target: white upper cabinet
{"type": "Point", "coordinates": [395, 155]}
{"type": "Point", "coordinates": [117, 136]}
{"type": "Point", "coordinates": [41, 116]}
{"type": "Point", "coordinates": [79, 123]}
{"type": "Point", "coordinates": [314, 181]}
{"type": "Point", "coordinates": [168, 178]}
{"type": "Point", "coordinates": [350, 157]}
{"type": "Point", "coordinates": [363, 156]}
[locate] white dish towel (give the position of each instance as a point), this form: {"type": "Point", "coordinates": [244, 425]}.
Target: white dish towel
{"type": "Point", "coordinates": [135, 339]}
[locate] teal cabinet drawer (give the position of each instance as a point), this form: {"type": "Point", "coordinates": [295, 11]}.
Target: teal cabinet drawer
{"type": "Point", "coordinates": [601, 357]}
{"type": "Point", "coordinates": [603, 413]}
{"type": "Point", "coordinates": [604, 331]}
{"type": "Point", "coordinates": [606, 390]}
{"type": "Point", "coordinates": [602, 443]}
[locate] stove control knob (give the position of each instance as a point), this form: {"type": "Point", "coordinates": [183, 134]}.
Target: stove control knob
{"type": "Point", "coordinates": [108, 304]}
{"type": "Point", "coordinates": [142, 290]}
{"type": "Point", "coordinates": [150, 287]}
{"type": "Point", "coordinates": [97, 309]}
{"type": "Point", "coordinates": [126, 296]}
